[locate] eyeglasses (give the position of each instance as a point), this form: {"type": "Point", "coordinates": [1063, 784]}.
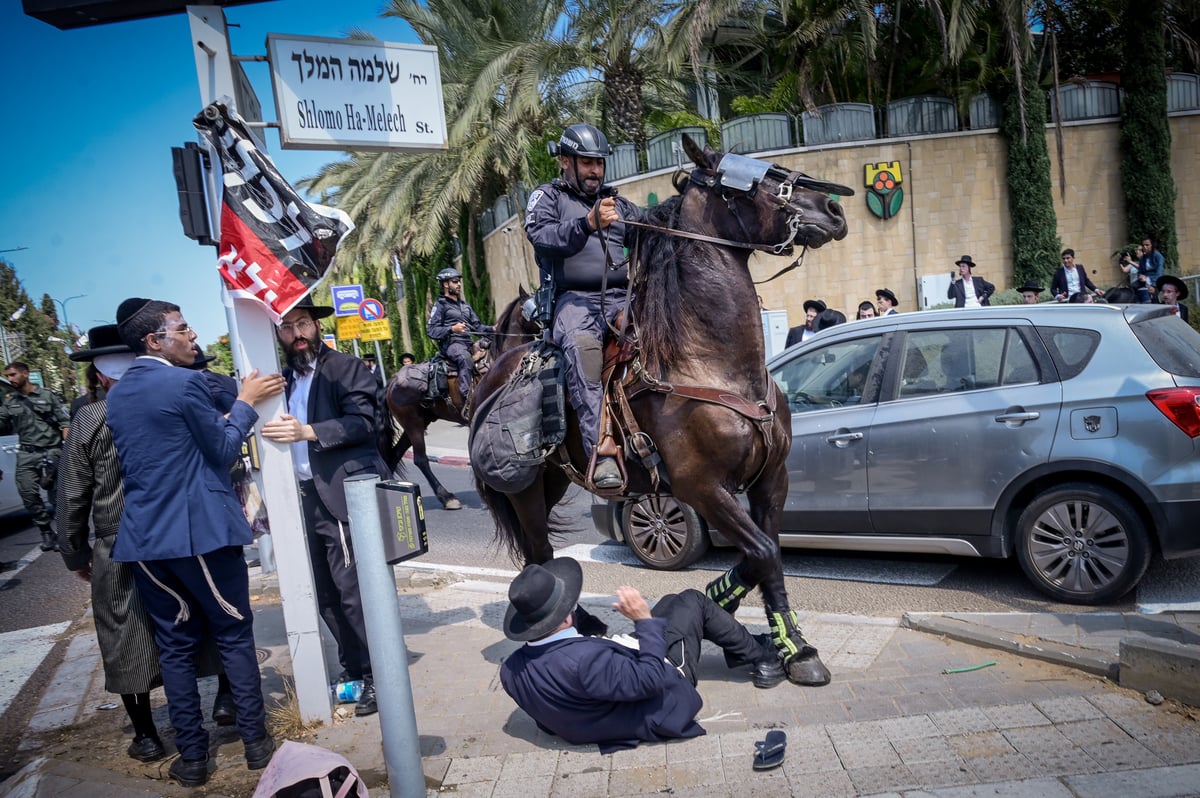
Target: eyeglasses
{"type": "Point", "coordinates": [182, 330]}
{"type": "Point", "coordinates": [302, 326]}
{"type": "Point", "coordinates": [459, 281]}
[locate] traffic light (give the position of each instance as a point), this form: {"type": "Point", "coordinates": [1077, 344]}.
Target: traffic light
{"type": "Point", "coordinates": [188, 162]}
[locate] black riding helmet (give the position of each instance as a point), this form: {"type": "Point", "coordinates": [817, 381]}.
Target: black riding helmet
{"type": "Point", "coordinates": [580, 141]}
{"type": "Point", "coordinates": [448, 274]}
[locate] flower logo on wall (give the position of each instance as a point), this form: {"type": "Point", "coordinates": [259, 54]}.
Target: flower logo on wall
{"type": "Point", "coordinates": [884, 194]}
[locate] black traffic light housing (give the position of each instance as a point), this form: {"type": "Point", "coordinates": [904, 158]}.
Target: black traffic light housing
{"type": "Point", "coordinates": [188, 162]}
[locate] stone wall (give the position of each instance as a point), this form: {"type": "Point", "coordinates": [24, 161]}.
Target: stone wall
{"type": "Point", "coordinates": [955, 203]}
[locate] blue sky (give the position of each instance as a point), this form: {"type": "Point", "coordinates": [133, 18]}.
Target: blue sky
{"type": "Point", "coordinates": [91, 116]}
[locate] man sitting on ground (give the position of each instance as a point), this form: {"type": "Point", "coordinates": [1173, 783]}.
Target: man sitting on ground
{"type": "Point", "coordinates": [596, 690]}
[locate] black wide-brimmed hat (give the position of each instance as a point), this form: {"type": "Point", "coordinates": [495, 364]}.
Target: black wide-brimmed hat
{"type": "Point", "coordinates": [883, 293]}
{"type": "Point", "coordinates": [202, 360]}
{"type": "Point", "coordinates": [317, 311]}
{"type": "Point", "coordinates": [102, 340]}
{"type": "Point", "coordinates": [1170, 279]}
{"type": "Point", "coordinates": [1031, 285]}
{"type": "Point", "coordinates": [541, 597]}
{"type": "Point", "coordinates": [814, 303]}
{"type": "Point", "coordinates": [965, 259]}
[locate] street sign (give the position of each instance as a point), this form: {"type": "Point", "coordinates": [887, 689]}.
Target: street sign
{"type": "Point", "coordinates": [330, 341]}
{"type": "Point", "coordinates": [370, 310]}
{"type": "Point", "coordinates": [346, 299]}
{"type": "Point", "coordinates": [376, 330]}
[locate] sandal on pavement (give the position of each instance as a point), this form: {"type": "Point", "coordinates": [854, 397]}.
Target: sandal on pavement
{"type": "Point", "coordinates": [769, 752]}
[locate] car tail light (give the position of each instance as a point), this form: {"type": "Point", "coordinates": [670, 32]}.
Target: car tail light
{"type": "Point", "coordinates": [1181, 405]}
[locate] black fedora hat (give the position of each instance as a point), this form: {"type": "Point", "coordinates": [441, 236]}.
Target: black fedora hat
{"type": "Point", "coordinates": [541, 597]}
{"type": "Point", "coordinates": [1031, 285]}
{"type": "Point", "coordinates": [810, 304]}
{"type": "Point", "coordinates": [102, 340]}
{"type": "Point", "coordinates": [886, 293]}
{"type": "Point", "coordinates": [202, 360]}
{"type": "Point", "coordinates": [317, 311]}
{"type": "Point", "coordinates": [965, 259]}
{"type": "Point", "coordinates": [1170, 279]}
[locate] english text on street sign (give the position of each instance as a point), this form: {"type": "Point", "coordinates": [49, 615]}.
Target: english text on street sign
{"type": "Point", "coordinates": [346, 299]}
{"type": "Point", "coordinates": [333, 94]}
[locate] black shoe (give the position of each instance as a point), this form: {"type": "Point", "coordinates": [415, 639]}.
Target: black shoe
{"type": "Point", "coordinates": [768, 672]}
{"type": "Point", "coordinates": [367, 704]}
{"type": "Point", "coordinates": [189, 772]}
{"type": "Point", "coordinates": [146, 749]}
{"type": "Point", "coordinates": [49, 539]}
{"type": "Point", "coordinates": [258, 753]}
{"type": "Point", "coordinates": [607, 475]}
{"type": "Point", "coordinates": [224, 710]}
{"type": "Point", "coordinates": [344, 676]}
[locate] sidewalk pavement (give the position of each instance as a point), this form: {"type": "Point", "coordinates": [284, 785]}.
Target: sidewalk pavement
{"type": "Point", "coordinates": [913, 710]}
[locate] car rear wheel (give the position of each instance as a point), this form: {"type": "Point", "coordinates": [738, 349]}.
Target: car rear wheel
{"type": "Point", "coordinates": [664, 533]}
{"type": "Point", "coordinates": [1082, 544]}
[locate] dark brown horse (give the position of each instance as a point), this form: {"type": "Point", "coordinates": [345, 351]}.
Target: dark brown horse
{"type": "Point", "coordinates": [719, 422]}
{"type": "Point", "coordinates": [411, 413]}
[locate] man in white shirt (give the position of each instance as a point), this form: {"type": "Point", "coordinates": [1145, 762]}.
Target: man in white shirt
{"type": "Point", "coordinates": [966, 290]}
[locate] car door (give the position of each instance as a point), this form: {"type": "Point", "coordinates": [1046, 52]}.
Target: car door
{"type": "Point", "coordinates": [10, 499]}
{"type": "Point", "coordinates": [831, 390]}
{"type": "Point", "coordinates": [969, 409]}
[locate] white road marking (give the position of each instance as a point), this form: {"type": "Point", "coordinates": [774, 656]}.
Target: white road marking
{"type": "Point", "coordinates": [24, 651]}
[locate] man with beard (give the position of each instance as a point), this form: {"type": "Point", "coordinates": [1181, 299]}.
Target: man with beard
{"type": "Point", "coordinates": [451, 323]}
{"type": "Point", "coordinates": [579, 238]}
{"type": "Point", "coordinates": [330, 423]}
{"type": "Point", "coordinates": [40, 419]}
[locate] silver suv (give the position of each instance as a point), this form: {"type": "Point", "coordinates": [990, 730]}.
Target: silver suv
{"type": "Point", "coordinates": [1065, 435]}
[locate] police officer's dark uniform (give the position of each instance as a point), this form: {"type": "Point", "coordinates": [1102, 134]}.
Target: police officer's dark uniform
{"type": "Point", "coordinates": [455, 346]}
{"type": "Point", "coordinates": [572, 261]}
{"type": "Point", "coordinates": [38, 417]}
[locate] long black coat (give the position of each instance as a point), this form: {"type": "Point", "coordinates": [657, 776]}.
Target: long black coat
{"type": "Point", "coordinates": [592, 690]}
{"type": "Point", "coordinates": [342, 409]}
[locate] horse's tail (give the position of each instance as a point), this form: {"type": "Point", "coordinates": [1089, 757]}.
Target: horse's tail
{"type": "Point", "coordinates": [508, 525]}
{"type": "Point", "coordinates": [388, 432]}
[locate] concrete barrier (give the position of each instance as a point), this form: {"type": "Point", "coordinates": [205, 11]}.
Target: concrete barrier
{"type": "Point", "coordinates": [1171, 668]}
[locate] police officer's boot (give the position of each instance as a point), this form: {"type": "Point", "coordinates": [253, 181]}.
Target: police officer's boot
{"type": "Point", "coordinates": [607, 475]}
{"type": "Point", "coordinates": [49, 538]}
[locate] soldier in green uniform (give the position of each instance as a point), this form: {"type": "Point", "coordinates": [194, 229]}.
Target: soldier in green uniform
{"type": "Point", "coordinates": [40, 419]}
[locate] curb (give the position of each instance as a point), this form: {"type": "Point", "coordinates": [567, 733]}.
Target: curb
{"type": "Point", "coordinates": [1088, 660]}
{"type": "Point", "coordinates": [1167, 666]}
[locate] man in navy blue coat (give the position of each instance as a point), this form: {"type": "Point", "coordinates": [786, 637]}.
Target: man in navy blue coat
{"type": "Point", "coordinates": [184, 527]}
{"type": "Point", "coordinates": [595, 690]}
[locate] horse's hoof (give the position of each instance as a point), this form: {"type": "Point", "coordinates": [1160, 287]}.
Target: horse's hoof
{"type": "Point", "coordinates": [452, 504]}
{"type": "Point", "coordinates": [807, 669]}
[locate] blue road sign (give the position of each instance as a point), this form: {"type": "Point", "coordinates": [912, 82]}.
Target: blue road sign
{"type": "Point", "coordinates": [370, 310]}
{"type": "Point", "coordinates": [346, 299]}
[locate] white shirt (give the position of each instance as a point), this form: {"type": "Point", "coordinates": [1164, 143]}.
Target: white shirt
{"type": "Point", "coordinates": [969, 293]}
{"type": "Point", "coordinates": [1073, 286]}
{"type": "Point", "coordinates": [298, 407]}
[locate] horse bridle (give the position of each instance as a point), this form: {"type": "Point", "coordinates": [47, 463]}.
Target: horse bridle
{"type": "Point", "coordinates": [741, 177]}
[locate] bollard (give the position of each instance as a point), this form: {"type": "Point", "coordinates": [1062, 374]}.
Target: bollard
{"type": "Point", "coordinates": [385, 636]}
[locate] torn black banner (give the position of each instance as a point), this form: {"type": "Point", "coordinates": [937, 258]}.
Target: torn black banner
{"type": "Point", "coordinates": [275, 247]}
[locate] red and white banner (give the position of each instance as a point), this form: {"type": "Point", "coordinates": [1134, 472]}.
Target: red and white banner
{"type": "Point", "coordinates": [275, 247]}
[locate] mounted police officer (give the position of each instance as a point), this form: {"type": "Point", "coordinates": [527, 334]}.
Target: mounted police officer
{"type": "Point", "coordinates": [451, 323]}
{"type": "Point", "coordinates": [575, 226]}
{"type": "Point", "coordinates": [40, 420]}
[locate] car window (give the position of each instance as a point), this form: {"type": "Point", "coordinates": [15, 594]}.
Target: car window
{"type": "Point", "coordinates": [1175, 347]}
{"type": "Point", "coordinates": [1070, 348]}
{"type": "Point", "coordinates": [832, 376]}
{"type": "Point", "coordinates": [946, 361]}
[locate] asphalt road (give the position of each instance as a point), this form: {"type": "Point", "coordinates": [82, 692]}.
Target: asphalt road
{"type": "Point", "coordinates": [838, 582]}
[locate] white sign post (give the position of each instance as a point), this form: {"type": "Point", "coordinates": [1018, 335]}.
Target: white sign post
{"type": "Point", "coordinates": [333, 94]}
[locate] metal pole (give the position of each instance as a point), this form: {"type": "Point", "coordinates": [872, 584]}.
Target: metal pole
{"type": "Point", "coordinates": [379, 360]}
{"type": "Point", "coordinates": [385, 637]}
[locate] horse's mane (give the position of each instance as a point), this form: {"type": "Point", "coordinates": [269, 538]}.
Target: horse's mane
{"type": "Point", "coordinates": [658, 312]}
{"type": "Point", "coordinates": [510, 322]}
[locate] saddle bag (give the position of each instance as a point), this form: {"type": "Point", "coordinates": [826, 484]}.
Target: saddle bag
{"type": "Point", "coordinates": [514, 429]}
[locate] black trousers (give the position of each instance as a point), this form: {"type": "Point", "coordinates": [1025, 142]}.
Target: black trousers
{"type": "Point", "coordinates": [692, 617]}
{"type": "Point", "coordinates": [215, 591]}
{"type": "Point", "coordinates": [459, 354]}
{"type": "Point", "coordinates": [335, 581]}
